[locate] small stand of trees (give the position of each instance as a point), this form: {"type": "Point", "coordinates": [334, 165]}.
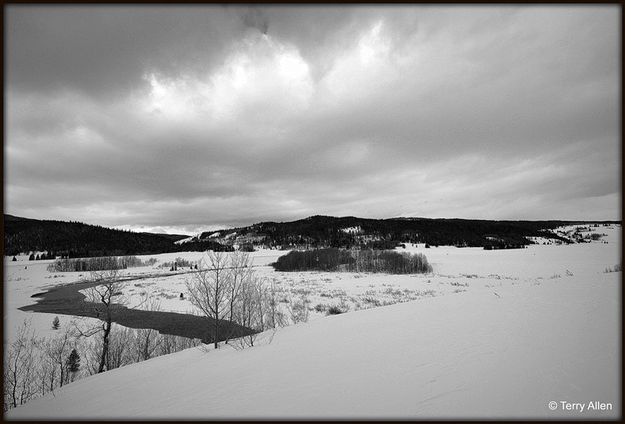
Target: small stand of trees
{"type": "Point", "coordinates": [105, 263]}
{"type": "Point", "coordinates": [34, 366]}
{"type": "Point", "coordinates": [178, 262]}
{"type": "Point", "coordinates": [333, 259]}
{"type": "Point", "coordinates": [226, 288]}
{"type": "Point", "coordinates": [43, 256]}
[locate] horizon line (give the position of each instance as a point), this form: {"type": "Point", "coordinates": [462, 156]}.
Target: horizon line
{"type": "Point", "coordinates": [118, 227]}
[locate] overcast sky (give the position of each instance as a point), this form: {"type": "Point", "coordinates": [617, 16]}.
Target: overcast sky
{"type": "Point", "coordinates": [181, 119]}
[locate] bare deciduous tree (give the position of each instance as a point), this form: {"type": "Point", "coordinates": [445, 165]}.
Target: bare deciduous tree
{"type": "Point", "coordinates": [240, 271]}
{"type": "Point", "coordinates": [45, 373]}
{"type": "Point", "coordinates": [100, 298]}
{"type": "Point", "coordinates": [227, 288]}
{"type": "Point", "coordinates": [147, 340]}
{"type": "Point", "coordinates": [57, 349]}
{"type": "Point", "coordinates": [248, 310]}
{"type": "Point", "coordinates": [210, 289]}
{"type": "Point", "coordinates": [275, 317]}
{"type": "Point", "coordinates": [257, 308]}
{"type": "Point", "coordinates": [19, 369]}
{"type": "Point", "coordinates": [119, 352]}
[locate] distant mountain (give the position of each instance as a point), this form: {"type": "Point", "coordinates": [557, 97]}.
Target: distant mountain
{"type": "Point", "coordinates": [75, 239]}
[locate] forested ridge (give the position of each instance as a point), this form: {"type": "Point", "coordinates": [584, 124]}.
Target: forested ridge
{"type": "Point", "coordinates": [76, 239]}
{"type": "Point", "coordinates": [326, 231]}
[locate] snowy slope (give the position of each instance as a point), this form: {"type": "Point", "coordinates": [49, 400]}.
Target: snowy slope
{"type": "Point", "coordinates": [472, 355]}
{"type": "Point", "coordinates": [195, 237]}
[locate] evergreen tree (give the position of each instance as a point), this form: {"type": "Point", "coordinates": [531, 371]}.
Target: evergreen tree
{"type": "Point", "coordinates": [14, 259]}
{"type": "Point", "coordinates": [31, 257]}
{"type": "Point", "coordinates": [56, 323]}
{"type": "Point", "coordinates": [73, 363]}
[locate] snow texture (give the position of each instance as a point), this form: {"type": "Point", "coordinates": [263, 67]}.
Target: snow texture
{"type": "Point", "coordinates": [505, 333]}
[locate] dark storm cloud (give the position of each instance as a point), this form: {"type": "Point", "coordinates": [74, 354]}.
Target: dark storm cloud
{"type": "Point", "coordinates": [107, 49]}
{"type": "Point", "coordinates": [185, 117]}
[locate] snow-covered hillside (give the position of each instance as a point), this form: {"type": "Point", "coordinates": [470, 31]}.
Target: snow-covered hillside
{"type": "Point", "coordinates": [500, 352]}
{"type": "Point", "coordinates": [195, 237]}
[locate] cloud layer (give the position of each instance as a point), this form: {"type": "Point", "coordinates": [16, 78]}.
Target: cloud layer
{"type": "Point", "coordinates": [184, 118]}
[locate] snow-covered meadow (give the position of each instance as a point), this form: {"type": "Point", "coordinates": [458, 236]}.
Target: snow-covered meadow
{"type": "Point", "coordinates": [488, 334]}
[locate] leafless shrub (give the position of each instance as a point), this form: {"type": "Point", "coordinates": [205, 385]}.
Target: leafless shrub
{"type": "Point", "coordinates": [298, 309]}
{"type": "Point", "coordinates": [616, 268]}
{"type": "Point", "coordinates": [372, 301]}
{"type": "Point", "coordinates": [275, 318]}
{"type": "Point", "coordinates": [170, 343]}
{"type": "Point", "coordinates": [321, 307]}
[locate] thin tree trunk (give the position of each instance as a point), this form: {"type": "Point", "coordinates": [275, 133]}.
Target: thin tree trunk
{"type": "Point", "coordinates": [216, 340]}
{"type": "Point", "coordinates": [14, 390]}
{"type": "Point", "coordinates": [105, 345]}
{"type": "Point", "coordinates": [217, 311]}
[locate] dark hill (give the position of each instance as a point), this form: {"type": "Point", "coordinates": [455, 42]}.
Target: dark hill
{"type": "Point", "coordinates": [326, 231]}
{"type": "Point", "coordinates": [172, 237]}
{"type": "Point", "coordinates": [75, 239]}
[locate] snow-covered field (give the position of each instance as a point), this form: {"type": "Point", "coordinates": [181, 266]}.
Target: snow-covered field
{"type": "Point", "coordinates": [488, 334]}
{"type": "Point", "coordinates": [22, 279]}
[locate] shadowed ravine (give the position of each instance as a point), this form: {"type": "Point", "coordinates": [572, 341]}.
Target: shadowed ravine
{"type": "Point", "coordinates": [66, 299]}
